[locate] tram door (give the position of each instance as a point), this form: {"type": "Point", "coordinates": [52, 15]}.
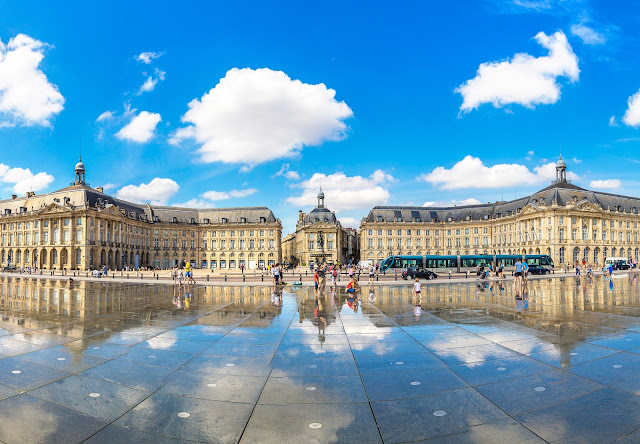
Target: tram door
{"type": "Point", "coordinates": [137, 262]}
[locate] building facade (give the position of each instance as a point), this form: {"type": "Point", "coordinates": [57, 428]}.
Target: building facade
{"type": "Point", "coordinates": [320, 237]}
{"type": "Point", "coordinates": [564, 221]}
{"type": "Point", "coordinates": [81, 228]}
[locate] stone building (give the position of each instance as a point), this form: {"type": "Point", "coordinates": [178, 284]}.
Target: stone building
{"type": "Point", "coordinates": [79, 227]}
{"type": "Point", "coordinates": [320, 237]}
{"type": "Point", "coordinates": [564, 221]}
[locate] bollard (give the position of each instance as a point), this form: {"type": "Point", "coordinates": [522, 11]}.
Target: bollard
{"type": "Point", "coordinates": [225, 278]}
{"type": "Point", "coordinates": [511, 273]}
{"type": "Point", "coordinates": [449, 274]}
{"type": "Point", "coordinates": [243, 278]}
{"type": "Point", "coordinates": [141, 276]}
{"type": "Point", "coordinates": [127, 275]}
{"type": "Point", "coordinates": [377, 277]}
{"type": "Point", "coordinates": [74, 274]}
{"type": "Point", "coordinates": [207, 278]}
{"type": "Point", "coordinates": [262, 278]}
{"type": "Point", "coordinates": [553, 271]}
{"type": "Point", "coordinates": [396, 277]}
{"type": "Point", "coordinates": [113, 275]}
{"type": "Point", "coordinates": [156, 277]}
{"type": "Point", "coordinates": [467, 275]}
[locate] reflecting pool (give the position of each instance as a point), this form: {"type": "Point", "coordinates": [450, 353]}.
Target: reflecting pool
{"type": "Point", "coordinates": [109, 362]}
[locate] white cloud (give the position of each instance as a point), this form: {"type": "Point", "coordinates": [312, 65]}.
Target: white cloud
{"type": "Point", "coordinates": [471, 172]}
{"type": "Point", "coordinates": [525, 80]}
{"type": "Point", "coordinates": [536, 5]}
{"type": "Point", "coordinates": [588, 35]}
{"type": "Point", "coordinates": [529, 155]}
{"type": "Point", "coordinates": [292, 175]}
{"type": "Point", "coordinates": [109, 186]}
{"type": "Point", "coordinates": [147, 57]}
{"type": "Point", "coordinates": [576, 160]}
{"type": "Point", "coordinates": [224, 195]}
{"type": "Point", "coordinates": [107, 115]}
{"type": "Point", "coordinates": [344, 192]}
{"type": "Point", "coordinates": [612, 121]}
{"type": "Point", "coordinates": [253, 116]}
{"type": "Point", "coordinates": [24, 180]}
{"type": "Point", "coordinates": [151, 81]}
{"type": "Point", "coordinates": [632, 115]}
{"type": "Point", "coordinates": [453, 203]}
{"type": "Point", "coordinates": [286, 172]}
{"type": "Point", "coordinates": [158, 191]}
{"type": "Point", "coordinates": [26, 95]}
{"type": "Point", "coordinates": [349, 222]}
{"type": "Point", "coordinates": [609, 184]}
{"type": "Point", "coordinates": [194, 203]}
{"type": "Point", "coordinates": [141, 127]}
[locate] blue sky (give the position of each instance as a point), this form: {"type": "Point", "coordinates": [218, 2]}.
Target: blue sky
{"type": "Point", "coordinates": [255, 103]}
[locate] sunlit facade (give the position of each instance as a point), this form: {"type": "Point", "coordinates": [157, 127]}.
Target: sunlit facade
{"type": "Point", "coordinates": [564, 221]}
{"type": "Point", "coordinates": [82, 228]}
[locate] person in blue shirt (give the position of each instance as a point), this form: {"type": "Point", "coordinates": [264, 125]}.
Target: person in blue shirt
{"type": "Point", "coordinates": [518, 268]}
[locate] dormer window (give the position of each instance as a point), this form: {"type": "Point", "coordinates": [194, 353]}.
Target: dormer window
{"type": "Point", "coordinates": [263, 220]}
{"type": "Point", "coordinates": [243, 220]}
{"type": "Point", "coordinates": [193, 221]}
{"type": "Point", "coordinates": [207, 221]}
{"type": "Point", "coordinates": [379, 218]}
{"type": "Point", "coordinates": [224, 220]}
{"type": "Point", "coordinates": [156, 219]}
{"type": "Point", "coordinates": [175, 220]}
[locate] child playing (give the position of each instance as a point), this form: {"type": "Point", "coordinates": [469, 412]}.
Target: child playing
{"type": "Point", "coordinates": [416, 287]}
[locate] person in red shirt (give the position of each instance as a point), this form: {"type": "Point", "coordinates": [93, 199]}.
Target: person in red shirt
{"type": "Point", "coordinates": [315, 280]}
{"type": "Point", "coordinates": [352, 286]}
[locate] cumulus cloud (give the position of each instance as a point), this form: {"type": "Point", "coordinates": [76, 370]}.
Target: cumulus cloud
{"type": "Point", "coordinates": [157, 192]}
{"type": "Point", "coordinates": [524, 80]}
{"type": "Point", "coordinates": [147, 57]}
{"type": "Point", "coordinates": [194, 203]}
{"type": "Point", "coordinates": [612, 121]}
{"type": "Point", "coordinates": [224, 195]}
{"type": "Point", "coordinates": [141, 128]}
{"type": "Point", "coordinates": [471, 172]}
{"type": "Point", "coordinates": [453, 203]}
{"type": "Point", "coordinates": [632, 115]}
{"type": "Point", "coordinates": [23, 179]}
{"type": "Point", "coordinates": [109, 186]}
{"type": "Point", "coordinates": [349, 222]}
{"type": "Point", "coordinates": [607, 184]}
{"type": "Point", "coordinates": [588, 35]}
{"type": "Point", "coordinates": [151, 81]}
{"type": "Point", "coordinates": [26, 95]}
{"type": "Point", "coordinates": [253, 116]}
{"type": "Point", "coordinates": [344, 192]}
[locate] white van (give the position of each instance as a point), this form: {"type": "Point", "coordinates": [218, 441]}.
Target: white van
{"type": "Point", "coordinates": [618, 263]}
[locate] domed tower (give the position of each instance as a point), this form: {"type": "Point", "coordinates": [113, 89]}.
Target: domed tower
{"type": "Point", "coordinates": [320, 199]}
{"type": "Point", "coordinates": [79, 173]}
{"type": "Point", "coordinates": [561, 171]}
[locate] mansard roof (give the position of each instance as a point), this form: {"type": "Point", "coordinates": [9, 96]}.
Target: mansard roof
{"type": "Point", "coordinates": [560, 194]}
{"type": "Point", "coordinates": [82, 196]}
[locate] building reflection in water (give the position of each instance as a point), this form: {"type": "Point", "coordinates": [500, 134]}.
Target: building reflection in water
{"type": "Point", "coordinates": [563, 312]}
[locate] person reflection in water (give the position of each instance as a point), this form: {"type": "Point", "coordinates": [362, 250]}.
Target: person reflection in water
{"type": "Point", "coordinates": [275, 297]}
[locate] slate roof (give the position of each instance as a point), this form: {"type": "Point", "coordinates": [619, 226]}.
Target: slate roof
{"type": "Point", "coordinates": [82, 196]}
{"type": "Point", "coordinates": [561, 194]}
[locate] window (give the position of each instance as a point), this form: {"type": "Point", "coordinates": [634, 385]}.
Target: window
{"type": "Point", "coordinates": [311, 245]}
{"type": "Point", "coordinates": [370, 232]}
{"type": "Point", "coordinates": [78, 221]}
{"type": "Point", "coordinates": [561, 222]}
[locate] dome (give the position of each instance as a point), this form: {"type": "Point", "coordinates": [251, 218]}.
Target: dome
{"type": "Point", "coordinates": [79, 166]}
{"type": "Point", "coordinates": [320, 195]}
{"type": "Point", "coordinates": [561, 163]}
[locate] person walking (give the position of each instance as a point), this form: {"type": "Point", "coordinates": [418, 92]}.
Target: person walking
{"type": "Point", "coordinates": [372, 272]}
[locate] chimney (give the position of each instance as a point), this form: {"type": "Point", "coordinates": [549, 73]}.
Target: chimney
{"type": "Point", "coordinates": [300, 215]}
{"type": "Point", "coordinates": [30, 193]}
{"type": "Point", "coordinates": [14, 196]}
{"type": "Point", "coordinates": [100, 189]}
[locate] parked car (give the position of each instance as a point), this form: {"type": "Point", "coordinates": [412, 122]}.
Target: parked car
{"type": "Point", "coordinates": [417, 272]}
{"type": "Point", "coordinates": [537, 269]}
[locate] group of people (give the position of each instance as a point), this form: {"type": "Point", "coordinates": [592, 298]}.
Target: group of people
{"type": "Point", "coordinates": [183, 274]}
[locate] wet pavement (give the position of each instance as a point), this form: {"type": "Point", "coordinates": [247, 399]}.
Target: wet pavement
{"type": "Point", "coordinates": [466, 362]}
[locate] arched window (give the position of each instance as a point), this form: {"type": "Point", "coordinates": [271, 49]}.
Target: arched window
{"type": "Point", "coordinates": [576, 254]}
{"type": "Point", "coordinates": [562, 261]}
